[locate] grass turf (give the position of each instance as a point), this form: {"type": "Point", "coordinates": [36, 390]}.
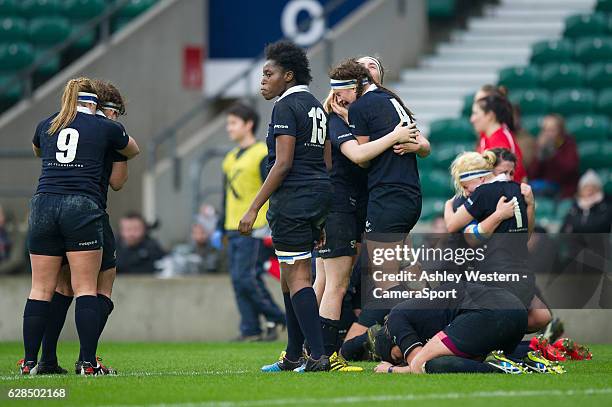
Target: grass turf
{"type": "Point", "coordinates": [190, 374]}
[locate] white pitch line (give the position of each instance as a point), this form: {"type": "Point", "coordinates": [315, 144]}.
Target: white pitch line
{"type": "Point", "coordinates": [388, 398]}
{"type": "Point", "coordinates": [136, 374]}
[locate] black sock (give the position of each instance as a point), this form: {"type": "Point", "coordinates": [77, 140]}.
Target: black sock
{"type": "Point", "coordinates": [57, 316]}
{"type": "Point", "coordinates": [455, 364]}
{"type": "Point", "coordinates": [106, 307]}
{"type": "Point", "coordinates": [35, 317]}
{"type": "Point", "coordinates": [329, 330]}
{"type": "Point", "coordinates": [87, 317]}
{"type": "Point", "coordinates": [521, 350]}
{"type": "Point", "coordinates": [307, 313]}
{"type": "Point", "coordinates": [295, 339]}
{"type": "Point", "coordinates": [354, 349]}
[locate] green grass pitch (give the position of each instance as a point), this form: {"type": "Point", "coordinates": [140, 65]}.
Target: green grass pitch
{"type": "Point", "coordinates": [224, 374]}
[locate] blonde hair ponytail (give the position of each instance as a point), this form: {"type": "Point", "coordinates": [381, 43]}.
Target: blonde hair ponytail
{"type": "Point", "coordinates": [470, 161]}
{"type": "Point", "coordinates": [70, 97]}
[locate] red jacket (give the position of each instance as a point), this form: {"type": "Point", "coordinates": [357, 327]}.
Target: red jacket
{"type": "Point", "coordinates": [504, 138]}
{"type": "Point", "coordinates": [562, 167]}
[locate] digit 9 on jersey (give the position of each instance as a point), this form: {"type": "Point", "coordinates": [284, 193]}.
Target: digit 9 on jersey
{"type": "Point", "coordinates": [67, 143]}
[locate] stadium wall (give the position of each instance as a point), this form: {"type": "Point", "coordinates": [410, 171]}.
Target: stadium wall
{"type": "Point", "coordinates": [145, 61]}
{"type": "Point", "coordinates": [203, 309]}
{"type": "Point", "coordinates": [399, 38]}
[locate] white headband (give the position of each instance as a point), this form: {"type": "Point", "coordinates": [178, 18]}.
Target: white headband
{"type": "Point", "coordinates": [375, 62]}
{"type": "Point", "coordinates": [86, 97]}
{"type": "Point", "coordinates": [345, 84]}
{"type": "Point", "coordinates": [470, 175]}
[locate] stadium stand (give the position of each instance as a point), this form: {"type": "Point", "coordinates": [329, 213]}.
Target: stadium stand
{"type": "Point", "coordinates": [30, 27]}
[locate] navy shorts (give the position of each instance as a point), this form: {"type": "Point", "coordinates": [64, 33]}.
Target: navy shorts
{"type": "Point", "coordinates": [340, 236]}
{"type": "Point", "coordinates": [392, 210]}
{"type": "Point", "coordinates": [64, 223]}
{"type": "Point", "coordinates": [297, 215]}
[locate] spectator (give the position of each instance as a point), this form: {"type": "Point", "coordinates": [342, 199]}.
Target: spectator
{"type": "Point", "coordinates": [555, 169]}
{"type": "Point", "coordinates": [5, 241]}
{"type": "Point", "coordinates": [592, 210]}
{"type": "Point", "coordinates": [244, 170]}
{"type": "Point", "coordinates": [201, 233]}
{"type": "Point", "coordinates": [137, 252]}
{"type": "Point", "coordinates": [525, 140]}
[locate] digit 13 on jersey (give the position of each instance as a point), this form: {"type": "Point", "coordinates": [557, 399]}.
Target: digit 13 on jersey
{"type": "Point", "coordinates": [67, 141]}
{"type": "Point", "coordinates": [319, 125]}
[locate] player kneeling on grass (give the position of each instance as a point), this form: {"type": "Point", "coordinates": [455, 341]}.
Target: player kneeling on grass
{"type": "Point", "coordinates": [466, 334]}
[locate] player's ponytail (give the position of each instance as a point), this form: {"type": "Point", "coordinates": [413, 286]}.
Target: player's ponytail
{"type": "Point", "coordinates": [470, 165]}
{"type": "Point", "coordinates": [70, 98]}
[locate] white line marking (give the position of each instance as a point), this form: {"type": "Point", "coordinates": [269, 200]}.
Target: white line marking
{"type": "Point", "coordinates": [388, 398]}
{"type": "Point", "coordinates": [135, 374]}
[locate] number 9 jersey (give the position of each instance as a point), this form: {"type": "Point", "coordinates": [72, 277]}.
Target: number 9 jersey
{"type": "Point", "coordinates": [299, 114]}
{"type": "Point", "coordinates": [73, 158]}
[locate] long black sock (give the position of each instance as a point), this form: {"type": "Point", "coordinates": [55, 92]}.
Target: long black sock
{"type": "Point", "coordinates": [355, 348]}
{"type": "Point", "coordinates": [307, 313]}
{"type": "Point", "coordinates": [520, 351]}
{"type": "Point", "coordinates": [295, 338]}
{"type": "Point", "coordinates": [455, 364]}
{"type": "Point", "coordinates": [87, 317]}
{"type": "Point", "coordinates": [106, 307]}
{"type": "Point", "coordinates": [329, 330]}
{"type": "Point", "coordinates": [57, 317]}
{"type": "Point", "coordinates": [35, 317]}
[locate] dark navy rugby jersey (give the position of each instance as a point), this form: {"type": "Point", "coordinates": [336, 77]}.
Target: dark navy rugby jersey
{"type": "Point", "coordinates": [299, 114]}
{"type": "Point", "coordinates": [111, 157]}
{"type": "Point", "coordinates": [73, 159]}
{"type": "Point", "coordinates": [348, 179]}
{"type": "Point", "coordinates": [375, 114]}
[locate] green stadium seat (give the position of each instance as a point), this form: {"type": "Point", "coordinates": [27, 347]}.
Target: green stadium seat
{"type": "Point", "coordinates": [13, 94]}
{"type": "Point", "coordinates": [545, 207]}
{"type": "Point", "coordinates": [532, 101]}
{"type": "Point", "coordinates": [13, 29]}
{"type": "Point", "coordinates": [443, 154]}
{"type": "Point", "coordinates": [585, 25]}
{"type": "Point", "coordinates": [604, 6]}
{"type": "Point", "coordinates": [85, 41]}
{"type": "Point", "coordinates": [51, 65]}
{"type": "Point", "coordinates": [568, 102]}
{"type": "Point", "coordinates": [83, 10]}
{"type": "Point", "coordinates": [545, 52]}
{"type": "Point", "coordinates": [589, 127]}
{"type": "Point", "coordinates": [135, 7]}
{"type": "Point", "coordinates": [49, 31]}
{"type": "Point", "coordinates": [597, 49]}
{"type": "Point", "coordinates": [41, 8]}
{"type": "Point", "coordinates": [606, 179]}
{"type": "Point", "coordinates": [15, 56]}
{"type": "Point", "coordinates": [468, 101]}
{"type": "Point", "coordinates": [595, 155]}
{"type": "Point", "coordinates": [565, 75]}
{"type": "Point", "coordinates": [432, 208]}
{"type": "Point", "coordinates": [532, 123]}
{"type": "Point", "coordinates": [599, 76]}
{"type": "Point", "coordinates": [451, 130]}
{"type": "Point", "coordinates": [604, 102]}
{"type": "Point", "coordinates": [519, 77]}
{"type": "Point", "coordinates": [563, 207]}
{"type": "Point", "coordinates": [9, 8]}
{"type": "Point", "coordinates": [441, 9]}
{"type": "Point", "coordinates": [436, 184]}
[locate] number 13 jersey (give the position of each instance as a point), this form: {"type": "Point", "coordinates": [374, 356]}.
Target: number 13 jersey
{"type": "Point", "coordinates": [299, 114]}
{"type": "Point", "coordinates": [73, 158]}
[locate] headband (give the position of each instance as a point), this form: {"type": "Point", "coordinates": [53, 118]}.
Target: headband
{"type": "Point", "coordinates": [377, 63]}
{"type": "Point", "coordinates": [87, 98]}
{"type": "Point", "coordinates": [345, 84]}
{"type": "Point", "coordinates": [470, 175]}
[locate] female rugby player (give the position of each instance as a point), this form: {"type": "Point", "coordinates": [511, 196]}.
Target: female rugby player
{"type": "Point", "coordinates": [66, 216]}
{"type": "Point", "coordinates": [299, 192]}
{"type": "Point", "coordinates": [111, 106]}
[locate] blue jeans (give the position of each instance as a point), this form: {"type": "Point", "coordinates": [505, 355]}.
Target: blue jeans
{"type": "Point", "coordinates": [252, 296]}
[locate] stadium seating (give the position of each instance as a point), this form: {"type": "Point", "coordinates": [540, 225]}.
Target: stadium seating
{"type": "Point", "coordinates": [83, 10]}
{"type": "Point", "coordinates": [604, 6]}
{"type": "Point", "coordinates": [468, 101]}
{"type": "Point", "coordinates": [519, 77]}
{"type": "Point", "coordinates": [432, 207]}
{"type": "Point", "coordinates": [545, 207]}
{"type": "Point", "coordinates": [591, 50]}
{"type": "Point", "coordinates": [595, 155]}
{"type": "Point", "coordinates": [606, 179]}
{"type": "Point", "coordinates": [569, 102]}
{"type": "Point", "coordinates": [9, 8]}
{"type": "Point", "coordinates": [532, 123]}
{"type": "Point", "coordinates": [441, 9]}
{"type": "Point", "coordinates": [436, 183]}
{"type": "Point", "coordinates": [604, 102]}
{"type": "Point", "coordinates": [41, 8]}
{"type": "Point", "coordinates": [15, 56]}
{"type": "Point", "coordinates": [586, 25]}
{"type": "Point", "coordinates": [565, 75]}
{"type": "Point", "coordinates": [13, 29]}
{"type": "Point", "coordinates": [49, 31]}
{"type": "Point", "coordinates": [451, 130]}
{"type": "Point", "coordinates": [532, 101]}
{"type": "Point", "coordinates": [589, 127]}
{"type": "Point", "coordinates": [563, 208]}
{"type": "Point", "coordinates": [599, 76]}
{"type": "Point", "coordinates": [14, 92]}
{"type": "Point", "coordinates": [545, 52]}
